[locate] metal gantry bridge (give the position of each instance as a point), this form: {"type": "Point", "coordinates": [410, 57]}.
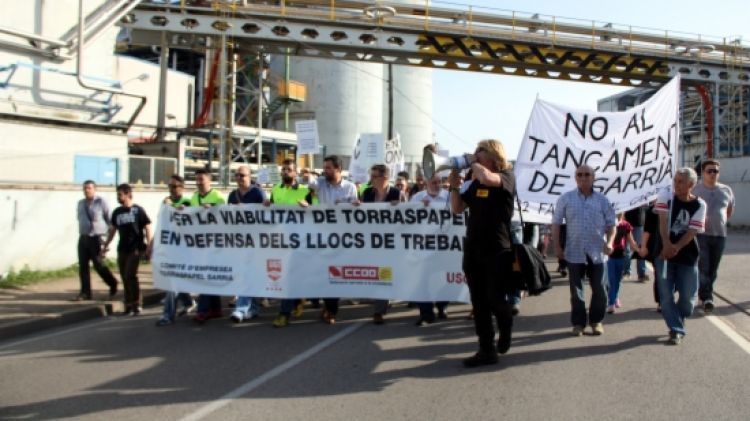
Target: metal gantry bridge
{"type": "Point", "coordinates": [471, 39]}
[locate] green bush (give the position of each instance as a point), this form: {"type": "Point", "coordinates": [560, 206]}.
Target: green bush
{"type": "Point", "coordinates": [27, 276]}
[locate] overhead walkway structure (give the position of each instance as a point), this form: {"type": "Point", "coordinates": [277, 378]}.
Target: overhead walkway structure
{"type": "Point", "coordinates": [474, 39]}
{"type": "Point", "coordinates": [471, 39]}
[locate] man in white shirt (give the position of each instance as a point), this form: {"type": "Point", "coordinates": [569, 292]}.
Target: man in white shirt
{"type": "Point", "coordinates": [331, 189]}
{"type": "Point", "coordinates": [433, 193]}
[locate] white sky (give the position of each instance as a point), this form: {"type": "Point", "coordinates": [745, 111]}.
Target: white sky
{"type": "Point", "coordinates": [469, 106]}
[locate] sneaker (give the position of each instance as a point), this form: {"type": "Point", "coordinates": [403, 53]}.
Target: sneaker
{"type": "Point", "coordinates": [577, 331]}
{"type": "Point", "coordinates": [503, 343]}
{"type": "Point", "coordinates": [597, 329]}
{"type": "Point", "coordinates": [164, 322]}
{"type": "Point", "coordinates": [611, 309]}
{"type": "Point", "coordinates": [299, 309]}
{"type": "Point", "coordinates": [237, 317]}
{"type": "Point", "coordinates": [617, 303]}
{"type": "Point", "coordinates": [136, 311]}
{"type": "Point", "coordinates": [281, 321]}
{"type": "Point", "coordinates": [675, 338]}
{"type": "Point", "coordinates": [708, 307]}
{"type": "Point", "coordinates": [643, 278]}
{"type": "Point", "coordinates": [515, 309]}
{"type": "Point", "coordinates": [481, 358]}
{"type": "Point", "coordinates": [188, 309]}
{"type": "Point", "coordinates": [442, 315]}
{"type": "Point", "coordinates": [378, 319]}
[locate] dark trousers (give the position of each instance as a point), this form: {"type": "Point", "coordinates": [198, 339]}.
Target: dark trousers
{"type": "Point", "coordinates": [331, 305]}
{"type": "Point", "coordinates": [711, 250]}
{"type": "Point", "coordinates": [489, 290]}
{"type": "Point", "coordinates": [88, 250]}
{"type": "Point", "coordinates": [426, 311]}
{"type": "Point", "coordinates": [128, 262]}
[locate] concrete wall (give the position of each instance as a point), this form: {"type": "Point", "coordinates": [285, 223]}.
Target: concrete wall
{"type": "Point", "coordinates": [39, 228]}
{"type": "Point", "coordinates": [179, 85]}
{"type": "Point", "coordinates": [38, 153]}
{"type": "Point", "coordinates": [735, 172]}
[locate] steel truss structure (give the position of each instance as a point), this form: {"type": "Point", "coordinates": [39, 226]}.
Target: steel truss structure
{"type": "Point", "coordinates": [446, 38]}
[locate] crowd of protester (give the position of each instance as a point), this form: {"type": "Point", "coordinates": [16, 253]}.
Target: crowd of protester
{"type": "Point", "coordinates": [682, 234]}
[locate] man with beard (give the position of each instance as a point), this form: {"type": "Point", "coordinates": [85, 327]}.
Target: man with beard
{"type": "Point", "coordinates": [331, 189]}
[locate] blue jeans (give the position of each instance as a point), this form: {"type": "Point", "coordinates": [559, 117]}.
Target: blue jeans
{"type": "Point", "coordinates": [170, 303]}
{"type": "Point", "coordinates": [615, 266]}
{"type": "Point", "coordinates": [248, 306]}
{"type": "Point", "coordinates": [598, 303]}
{"type": "Point", "coordinates": [684, 280]}
{"type": "Point", "coordinates": [711, 250]}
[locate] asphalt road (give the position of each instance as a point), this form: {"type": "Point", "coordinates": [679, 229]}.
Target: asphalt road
{"type": "Point", "coordinates": [125, 368]}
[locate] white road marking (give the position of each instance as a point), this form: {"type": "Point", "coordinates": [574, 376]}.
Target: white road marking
{"type": "Point", "coordinates": [268, 375]}
{"type": "Point", "coordinates": [730, 332]}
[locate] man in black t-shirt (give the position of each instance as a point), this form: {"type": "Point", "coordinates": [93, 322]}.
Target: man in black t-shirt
{"type": "Point", "coordinates": [134, 228]}
{"type": "Point", "coordinates": [681, 217]}
{"type": "Point", "coordinates": [488, 255]}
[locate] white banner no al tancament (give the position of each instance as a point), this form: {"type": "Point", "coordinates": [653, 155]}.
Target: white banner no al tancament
{"type": "Point", "coordinates": [633, 152]}
{"type": "Point", "coordinates": [408, 252]}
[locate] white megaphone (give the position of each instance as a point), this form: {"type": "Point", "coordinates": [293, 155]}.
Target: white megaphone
{"type": "Point", "coordinates": [433, 163]}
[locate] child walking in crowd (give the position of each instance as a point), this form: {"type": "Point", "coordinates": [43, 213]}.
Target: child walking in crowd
{"type": "Point", "coordinates": [618, 260]}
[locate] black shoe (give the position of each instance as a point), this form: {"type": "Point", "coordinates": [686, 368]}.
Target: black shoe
{"type": "Point", "coordinates": [424, 321]}
{"type": "Point", "coordinates": [442, 315]}
{"type": "Point", "coordinates": [503, 343]}
{"type": "Point", "coordinates": [563, 273]}
{"type": "Point", "coordinates": [515, 309]}
{"type": "Point", "coordinates": [112, 291]}
{"type": "Point", "coordinates": [708, 307]}
{"type": "Point", "coordinates": [481, 358]}
{"type": "Point", "coordinates": [675, 338]}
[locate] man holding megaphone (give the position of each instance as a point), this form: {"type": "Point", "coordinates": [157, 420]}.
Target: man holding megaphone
{"type": "Point", "coordinates": [488, 255]}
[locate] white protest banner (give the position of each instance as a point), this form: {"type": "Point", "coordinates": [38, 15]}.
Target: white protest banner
{"type": "Point", "coordinates": [308, 141]}
{"type": "Point", "coordinates": [375, 250]}
{"type": "Point", "coordinates": [394, 157]}
{"type": "Point", "coordinates": [634, 152]}
{"type": "Point", "coordinates": [367, 151]}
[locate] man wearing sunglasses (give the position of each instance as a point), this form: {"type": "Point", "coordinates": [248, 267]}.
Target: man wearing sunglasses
{"type": "Point", "coordinates": [590, 232]}
{"type": "Point", "coordinates": [719, 200]}
{"type": "Point", "coordinates": [246, 307]}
